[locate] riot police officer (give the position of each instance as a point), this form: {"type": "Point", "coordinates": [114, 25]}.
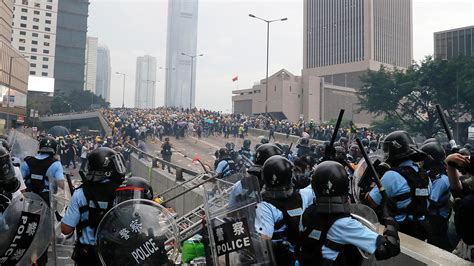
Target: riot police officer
{"type": "Point", "coordinates": [38, 170]}
{"type": "Point", "coordinates": [245, 150]}
{"type": "Point", "coordinates": [226, 166]}
{"type": "Point", "coordinates": [407, 186]}
{"type": "Point", "coordinates": [440, 206]}
{"type": "Point", "coordinates": [330, 235]}
{"type": "Point", "coordinates": [134, 187]}
{"type": "Point", "coordinates": [278, 215]}
{"type": "Point", "coordinates": [90, 202]}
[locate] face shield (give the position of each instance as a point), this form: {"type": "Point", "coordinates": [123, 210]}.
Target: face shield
{"type": "Point", "coordinates": [8, 180]}
{"type": "Point", "coordinates": [119, 164]}
{"type": "Point", "coordinates": [127, 193]}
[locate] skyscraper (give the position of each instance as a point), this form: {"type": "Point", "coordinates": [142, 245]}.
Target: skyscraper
{"type": "Point", "coordinates": [182, 38]}
{"type": "Point", "coordinates": [103, 73]}
{"type": "Point", "coordinates": [342, 39]}
{"type": "Point", "coordinates": [91, 64]}
{"type": "Point", "coordinates": [71, 38]}
{"type": "Point", "coordinates": [13, 70]}
{"type": "Point", "coordinates": [453, 43]}
{"type": "Point", "coordinates": [145, 83]}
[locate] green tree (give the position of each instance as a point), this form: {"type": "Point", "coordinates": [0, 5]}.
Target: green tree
{"type": "Point", "coordinates": [76, 101]}
{"type": "Point", "coordinates": [410, 96]}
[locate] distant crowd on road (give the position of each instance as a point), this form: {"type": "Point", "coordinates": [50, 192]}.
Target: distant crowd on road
{"type": "Point", "coordinates": [180, 122]}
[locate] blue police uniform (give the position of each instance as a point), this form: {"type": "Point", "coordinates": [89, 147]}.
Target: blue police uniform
{"type": "Point", "coordinates": [440, 194]}
{"type": "Point", "coordinates": [72, 217]}
{"type": "Point", "coordinates": [224, 168]}
{"type": "Point", "coordinates": [348, 231]}
{"type": "Point", "coordinates": [267, 215]}
{"type": "Point", "coordinates": [54, 171]}
{"type": "Point", "coordinates": [395, 185]}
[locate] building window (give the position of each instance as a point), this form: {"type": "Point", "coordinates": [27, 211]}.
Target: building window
{"type": "Point", "coordinates": [48, 14]}
{"type": "Point", "coordinates": [49, 7]}
{"type": "Point", "coordinates": [34, 34]}
{"type": "Point", "coordinates": [23, 25]}
{"type": "Point", "coordinates": [48, 21]}
{"type": "Point", "coordinates": [32, 65]}
{"type": "Point", "coordinates": [275, 88]}
{"type": "Point", "coordinates": [46, 43]}
{"type": "Point", "coordinates": [290, 88]}
{"type": "Point", "coordinates": [33, 57]}
{"type": "Point", "coordinates": [36, 19]}
{"type": "Point", "coordinates": [46, 36]}
{"type": "Point", "coordinates": [21, 48]}
{"type": "Point", "coordinates": [32, 73]}
{"type": "Point", "coordinates": [24, 10]}
{"type": "Point", "coordinates": [37, 5]}
{"type": "Point", "coordinates": [50, 1]}
{"type": "Point", "coordinates": [45, 66]}
{"type": "Point", "coordinates": [46, 51]}
{"type": "Point", "coordinates": [22, 40]}
{"type": "Point", "coordinates": [36, 12]}
{"type": "Point", "coordinates": [47, 29]}
{"type": "Point", "coordinates": [44, 74]}
{"type": "Point", "coordinates": [23, 17]}
{"type": "Point", "coordinates": [46, 59]}
{"type": "Point", "coordinates": [34, 50]}
{"type": "Point", "coordinates": [22, 32]}
{"type": "Point", "coordinates": [25, 2]}
{"type": "Point", "coordinates": [34, 42]}
{"type": "Point", "coordinates": [35, 27]}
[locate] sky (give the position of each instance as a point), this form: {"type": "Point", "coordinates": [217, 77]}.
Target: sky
{"type": "Point", "coordinates": [233, 44]}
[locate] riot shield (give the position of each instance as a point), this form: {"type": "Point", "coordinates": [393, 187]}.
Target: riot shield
{"type": "Point", "coordinates": [366, 216]}
{"type": "Point", "coordinates": [358, 176]}
{"type": "Point", "coordinates": [22, 145]}
{"type": "Point", "coordinates": [230, 211]}
{"type": "Point", "coordinates": [137, 232]}
{"type": "Point", "coordinates": [25, 230]}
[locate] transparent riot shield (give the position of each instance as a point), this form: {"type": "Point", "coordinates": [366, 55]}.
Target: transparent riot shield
{"type": "Point", "coordinates": [231, 211]}
{"type": "Point", "coordinates": [366, 216]}
{"type": "Point", "coordinates": [25, 230]}
{"type": "Point", "coordinates": [22, 145]}
{"type": "Point", "coordinates": [360, 174]}
{"type": "Point", "coordinates": [137, 232]}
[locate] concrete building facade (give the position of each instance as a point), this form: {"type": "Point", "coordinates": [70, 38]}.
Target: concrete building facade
{"type": "Point", "coordinates": [453, 43]}
{"type": "Point", "coordinates": [103, 73]}
{"type": "Point", "coordinates": [145, 83]}
{"type": "Point", "coordinates": [71, 38]}
{"type": "Point", "coordinates": [342, 41]}
{"type": "Point", "coordinates": [13, 70]}
{"type": "Point", "coordinates": [91, 64]}
{"type": "Point", "coordinates": [180, 84]}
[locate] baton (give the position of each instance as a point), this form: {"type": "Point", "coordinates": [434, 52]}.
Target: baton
{"type": "Point", "coordinates": [336, 128]}
{"type": "Point", "coordinates": [444, 123]}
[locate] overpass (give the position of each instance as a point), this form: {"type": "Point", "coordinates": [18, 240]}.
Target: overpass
{"type": "Point", "coordinates": [76, 120]}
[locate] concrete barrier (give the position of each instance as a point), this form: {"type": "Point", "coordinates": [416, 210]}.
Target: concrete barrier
{"type": "Point", "coordinates": [279, 137]}
{"type": "Point", "coordinates": [161, 181]}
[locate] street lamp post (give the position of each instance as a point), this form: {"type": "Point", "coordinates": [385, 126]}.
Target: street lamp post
{"type": "Point", "coordinates": [268, 53]}
{"type": "Point", "coordinates": [123, 91]}
{"type": "Point", "coordinates": [192, 70]}
{"type": "Point", "coordinates": [70, 128]}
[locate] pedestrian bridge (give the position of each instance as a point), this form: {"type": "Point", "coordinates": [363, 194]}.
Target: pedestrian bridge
{"type": "Point", "coordinates": [76, 120]}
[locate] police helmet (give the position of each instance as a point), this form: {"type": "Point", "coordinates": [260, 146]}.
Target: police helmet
{"type": "Point", "coordinates": [365, 142]}
{"type": "Point", "coordinates": [266, 151]}
{"type": "Point", "coordinates": [103, 163]}
{"type": "Point", "coordinates": [304, 142]}
{"type": "Point", "coordinates": [223, 152]}
{"type": "Point", "coordinates": [468, 146]}
{"type": "Point", "coordinates": [230, 146]}
{"type": "Point", "coordinates": [373, 145]}
{"type": "Point", "coordinates": [133, 188]}
{"type": "Point", "coordinates": [465, 152]}
{"type": "Point", "coordinates": [277, 173]}
{"type": "Point", "coordinates": [435, 155]}
{"type": "Point", "coordinates": [399, 146]}
{"type": "Point", "coordinates": [429, 141]}
{"type": "Point", "coordinates": [3, 136]}
{"type": "Point", "coordinates": [264, 141]}
{"type": "Point", "coordinates": [48, 145]}
{"type": "Point", "coordinates": [247, 143]}
{"type": "Point", "coordinates": [343, 140]}
{"type": "Point", "coordinates": [8, 180]}
{"type": "Point", "coordinates": [330, 179]}
{"type": "Point", "coordinates": [5, 144]}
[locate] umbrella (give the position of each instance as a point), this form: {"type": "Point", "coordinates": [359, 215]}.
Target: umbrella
{"type": "Point", "coordinates": [209, 121]}
{"type": "Point", "coordinates": [58, 131]}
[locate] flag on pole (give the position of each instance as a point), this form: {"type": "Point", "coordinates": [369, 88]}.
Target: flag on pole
{"type": "Point", "coordinates": [235, 78]}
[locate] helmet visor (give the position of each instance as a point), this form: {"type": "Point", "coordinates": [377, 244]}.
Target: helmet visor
{"type": "Point", "coordinates": [127, 193]}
